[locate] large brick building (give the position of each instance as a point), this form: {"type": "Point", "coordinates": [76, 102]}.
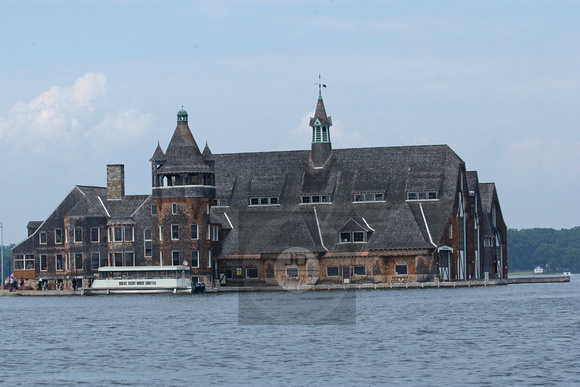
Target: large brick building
{"type": "Point", "coordinates": [316, 216]}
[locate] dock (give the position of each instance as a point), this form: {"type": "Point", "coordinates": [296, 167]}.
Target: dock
{"type": "Point", "coordinates": [365, 286]}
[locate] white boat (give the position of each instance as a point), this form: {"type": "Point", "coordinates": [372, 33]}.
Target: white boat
{"type": "Point", "coordinates": [538, 270]}
{"type": "Point", "coordinates": [141, 279]}
{"type": "Point", "coordinates": [567, 272]}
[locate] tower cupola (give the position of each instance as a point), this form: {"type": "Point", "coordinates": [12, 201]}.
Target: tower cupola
{"type": "Point", "coordinates": [320, 123]}
{"type": "Point", "coordinates": [182, 115]}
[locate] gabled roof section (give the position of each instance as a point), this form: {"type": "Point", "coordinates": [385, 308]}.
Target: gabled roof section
{"type": "Point", "coordinates": [357, 224]}
{"type": "Point", "coordinates": [486, 191]}
{"type": "Point", "coordinates": [183, 154]}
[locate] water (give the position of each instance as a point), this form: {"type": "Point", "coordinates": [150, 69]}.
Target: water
{"type": "Point", "coordinates": [525, 334]}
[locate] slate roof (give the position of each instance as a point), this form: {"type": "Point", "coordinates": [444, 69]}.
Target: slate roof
{"type": "Point", "coordinates": [320, 114]}
{"type": "Point", "coordinates": [397, 223]}
{"type": "Point", "coordinates": [94, 203]}
{"type": "Point", "coordinates": [487, 191]}
{"type": "Point", "coordinates": [183, 155]}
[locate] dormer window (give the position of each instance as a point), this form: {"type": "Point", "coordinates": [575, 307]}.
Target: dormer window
{"type": "Point", "coordinates": [264, 201]}
{"type": "Point", "coordinates": [422, 195]}
{"type": "Point", "coordinates": [220, 202]}
{"type": "Point", "coordinates": [368, 197]}
{"type": "Point", "coordinates": [314, 199]}
{"type": "Point", "coordinates": [355, 231]}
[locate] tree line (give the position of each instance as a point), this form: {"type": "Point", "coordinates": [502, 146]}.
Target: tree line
{"type": "Point", "coordinates": [552, 250]}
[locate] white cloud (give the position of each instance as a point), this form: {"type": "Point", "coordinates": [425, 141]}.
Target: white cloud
{"type": "Point", "coordinates": [129, 122]}
{"type": "Point", "coordinates": [89, 87]}
{"type": "Point", "coordinates": [52, 116]}
{"type": "Point", "coordinates": [60, 120]}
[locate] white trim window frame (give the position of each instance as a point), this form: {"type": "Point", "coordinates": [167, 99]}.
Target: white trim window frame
{"type": "Point", "coordinates": [78, 234]}
{"type": "Point", "coordinates": [195, 259]}
{"type": "Point", "coordinates": [359, 270]}
{"type": "Point", "coordinates": [42, 238]}
{"type": "Point", "coordinates": [98, 235]}
{"type": "Point", "coordinates": [58, 236]}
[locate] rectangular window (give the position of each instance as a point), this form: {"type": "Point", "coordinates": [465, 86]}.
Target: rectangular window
{"type": "Point", "coordinates": [154, 209]}
{"type": "Point", "coordinates": [109, 235]}
{"type": "Point", "coordinates": [58, 235]}
{"type": "Point", "coordinates": [58, 262]}
{"type": "Point", "coordinates": [305, 199]}
{"type": "Point", "coordinates": [229, 274]}
{"type": "Point", "coordinates": [160, 233]}
{"type": "Point", "coordinates": [433, 195]}
{"type": "Point", "coordinates": [193, 231]}
{"type": "Point", "coordinates": [174, 231]}
{"type": "Point", "coordinates": [66, 236]}
{"type": "Point", "coordinates": [359, 198]}
{"type": "Point", "coordinates": [194, 258]}
{"type": "Point", "coordinates": [251, 272]}
{"type": "Point", "coordinates": [128, 259]}
{"type": "Point", "coordinates": [401, 268]}
{"type": "Point", "coordinates": [214, 233]}
{"type": "Point", "coordinates": [359, 270]}
{"type": "Point", "coordinates": [78, 235]}
{"type": "Point", "coordinates": [325, 198]}
{"type": "Point", "coordinates": [422, 195]}
{"type": "Point", "coordinates": [95, 234]}
{"type": "Point", "coordinates": [19, 262]}
{"type": "Point", "coordinates": [358, 236]}
{"type": "Point", "coordinates": [104, 261]}
{"type": "Point", "coordinates": [129, 234]}
{"type": "Point", "coordinates": [263, 201]}
{"type": "Point", "coordinates": [208, 232]}
{"type": "Point", "coordinates": [274, 200]}
{"type": "Point", "coordinates": [118, 234]}
{"type": "Point", "coordinates": [174, 209]}
{"type": "Point", "coordinates": [292, 271]}
{"type": "Point", "coordinates": [118, 259]}
{"type": "Point", "coordinates": [148, 243]}
{"type": "Point", "coordinates": [332, 271]}
{"type": "Point", "coordinates": [43, 262]}
{"type": "Point", "coordinates": [450, 231]}
{"type": "Point", "coordinates": [379, 197]}
{"type": "Point", "coordinates": [254, 201]}
{"type": "Point", "coordinates": [411, 195]}
{"type": "Point", "coordinates": [95, 260]}
{"type": "Point", "coordinates": [43, 238]}
{"type": "Point", "coordinates": [78, 261]}
{"type": "Point", "coordinates": [209, 259]}
{"type": "Point", "coordinates": [175, 258]}
{"type": "Point", "coordinates": [344, 237]}
{"type": "Point", "coordinates": [315, 199]}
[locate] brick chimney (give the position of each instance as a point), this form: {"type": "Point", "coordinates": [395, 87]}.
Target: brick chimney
{"type": "Point", "coordinates": [115, 181]}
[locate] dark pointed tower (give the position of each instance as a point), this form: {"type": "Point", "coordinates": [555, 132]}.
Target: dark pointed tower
{"type": "Point", "coordinates": [184, 190]}
{"type": "Point", "coordinates": [320, 123]}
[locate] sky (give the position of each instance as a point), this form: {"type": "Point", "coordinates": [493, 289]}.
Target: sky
{"type": "Point", "coordinates": [84, 84]}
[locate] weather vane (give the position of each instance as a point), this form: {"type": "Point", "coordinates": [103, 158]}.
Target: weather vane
{"type": "Point", "coordinates": [320, 86]}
